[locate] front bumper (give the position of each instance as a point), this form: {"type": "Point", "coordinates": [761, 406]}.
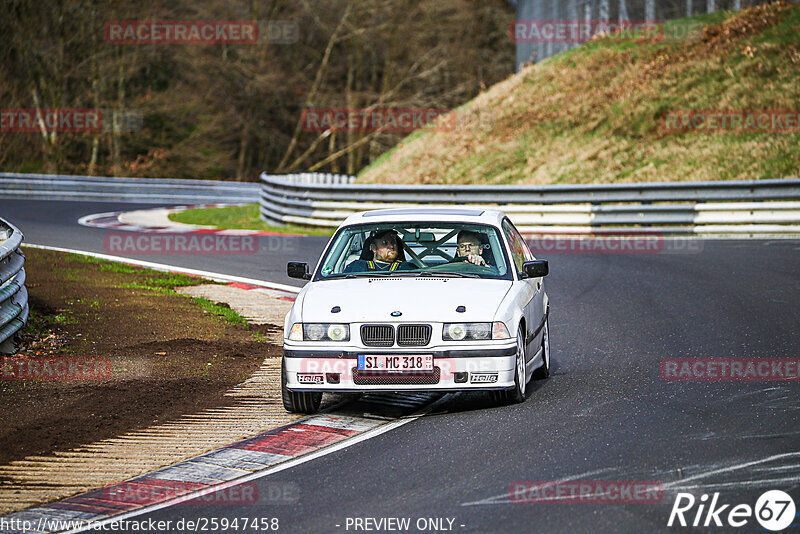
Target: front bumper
{"type": "Point", "coordinates": [455, 369]}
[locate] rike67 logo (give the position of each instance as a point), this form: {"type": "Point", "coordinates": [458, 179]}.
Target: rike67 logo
{"type": "Point", "coordinates": [774, 510]}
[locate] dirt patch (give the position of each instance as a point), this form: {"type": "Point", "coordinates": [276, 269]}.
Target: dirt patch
{"type": "Point", "coordinates": [169, 355]}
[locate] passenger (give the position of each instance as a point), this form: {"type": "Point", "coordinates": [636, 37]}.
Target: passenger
{"type": "Point", "coordinates": [386, 255]}
{"type": "Point", "coordinates": [470, 248]}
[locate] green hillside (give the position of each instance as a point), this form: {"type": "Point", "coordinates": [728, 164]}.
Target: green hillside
{"type": "Point", "coordinates": [597, 113]}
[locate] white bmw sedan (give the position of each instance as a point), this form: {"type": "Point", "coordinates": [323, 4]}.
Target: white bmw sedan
{"type": "Point", "coordinates": [446, 299]}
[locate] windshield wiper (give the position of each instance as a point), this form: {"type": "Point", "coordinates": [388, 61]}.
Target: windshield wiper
{"type": "Point", "coordinates": [448, 273]}
{"type": "Point", "coordinates": [369, 275]}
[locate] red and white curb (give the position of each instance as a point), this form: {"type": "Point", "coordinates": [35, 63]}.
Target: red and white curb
{"type": "Point", "coordinates": [143, 222]}
{"type": "Point", "coordinates": [188, 481]}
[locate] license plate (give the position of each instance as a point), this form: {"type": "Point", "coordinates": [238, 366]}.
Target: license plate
{"type": "Point", "coordinates": [395, 364]}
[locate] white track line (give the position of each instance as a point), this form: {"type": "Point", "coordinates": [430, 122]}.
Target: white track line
{"type": "Point", "coordinates": [95, 525]}
{"type": "Point", "coordinates": [680, 484]}
{"type": "Point", "coordinates": [217, 277]}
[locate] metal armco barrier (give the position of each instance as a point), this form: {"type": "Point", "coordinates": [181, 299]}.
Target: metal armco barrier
{"type": "Point", "coordinates": [13, 295]}
{"type": "Point", "coordinates": [100, 188]}
{"type": "Point", "coordinates": [725, 207]}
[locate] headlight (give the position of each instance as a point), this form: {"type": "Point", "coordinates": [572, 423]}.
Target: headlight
{"type": "Point", "coordinates": [481, 331]}
{"type": "Point", "coordinates": [472, 331]}
{"type": "Point", "coordinates": [313, 332]}
{"type": "Point", "coordinates": [325, 332]}
{"type": "Point", "coordinates": [455, 331]}
{"type": "Point", "coordinates": [337, 332]}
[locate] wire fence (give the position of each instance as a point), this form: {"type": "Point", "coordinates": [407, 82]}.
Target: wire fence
{"type": "Point", "coordinates": [542, 20]}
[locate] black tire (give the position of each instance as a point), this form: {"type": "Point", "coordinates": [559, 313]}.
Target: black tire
{"type": "Point", "coordinates": [299, 401]}
{"type": "Point", "coordinates": [515, 394]}
{"type": "Point", "coordinates": [544, 371]}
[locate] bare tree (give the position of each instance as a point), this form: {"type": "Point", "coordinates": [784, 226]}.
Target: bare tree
{"type": "Point", "coordinates": [623, 11]}
{"type": "Point", "coordinates": [316, 85]}
{"type": "Point", "coordinates": [231, 111]}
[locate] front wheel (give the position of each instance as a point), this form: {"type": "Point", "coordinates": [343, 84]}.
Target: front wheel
{"type": "Point", "coordinates": [298, 401]}
{"type": "Point", "coordinates": [544, 371]}
{"type": "Point", "coordinates": [515, 394]}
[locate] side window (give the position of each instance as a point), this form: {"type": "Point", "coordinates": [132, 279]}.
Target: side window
{"type": "Point", "coordinates": [519, 250]}
{"type": "Point", "coordinates": [527, 251]}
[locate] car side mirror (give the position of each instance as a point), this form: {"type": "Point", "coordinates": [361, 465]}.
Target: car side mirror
{"type": "Point", "coordinates": [535, 269]}
{"type": "Point", "coordinates": [298, 269]}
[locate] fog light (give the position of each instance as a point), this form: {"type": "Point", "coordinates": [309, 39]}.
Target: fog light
{"type": "Point", "coordinates": [332, 378]}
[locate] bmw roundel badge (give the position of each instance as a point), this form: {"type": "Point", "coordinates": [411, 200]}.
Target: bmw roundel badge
{"type": "Point", "coordinates": [396, 314]}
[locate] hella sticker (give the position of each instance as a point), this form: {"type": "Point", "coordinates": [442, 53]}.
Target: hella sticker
{"type": "Point", "coordinates": [309, 378]}
{"type": "Point", "coordinates": [483, 378]}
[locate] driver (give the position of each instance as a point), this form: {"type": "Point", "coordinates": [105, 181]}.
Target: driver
{"type": "Point", "coordinates": [469, 247]}
{"type": "Point", "coordinates": [385, 253]}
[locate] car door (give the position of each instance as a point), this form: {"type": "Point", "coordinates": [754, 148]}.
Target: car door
{"type": "Point", "coordinates": [531, 294]}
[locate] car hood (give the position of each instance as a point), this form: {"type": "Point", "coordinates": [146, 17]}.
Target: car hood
{"type": "Point", "coordinates": [417, 299]}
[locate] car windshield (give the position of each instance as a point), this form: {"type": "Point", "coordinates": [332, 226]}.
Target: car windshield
{"type": "Point", "coordinates": [416, 249]}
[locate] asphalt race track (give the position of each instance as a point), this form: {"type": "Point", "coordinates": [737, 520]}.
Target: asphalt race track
{"type": "Point", "coordinates": [605, 413]}
{"type": "Point", "coordinates": [54, 223]}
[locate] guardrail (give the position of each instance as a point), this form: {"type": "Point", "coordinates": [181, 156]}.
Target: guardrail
{"type": "Point", "coordinates": [725, 207]}
{"type": "Point", "coordinates": [13, 295]}
{"type": "Point", "coordinates": [103, 188]}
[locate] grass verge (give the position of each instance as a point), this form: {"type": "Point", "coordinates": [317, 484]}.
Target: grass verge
{"type": "Point", "coordinates": [169, 354]}
{"type": "Point", "coordinates": [240, 218]}
{"type": "Point", "coordinates": [596, 113]}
